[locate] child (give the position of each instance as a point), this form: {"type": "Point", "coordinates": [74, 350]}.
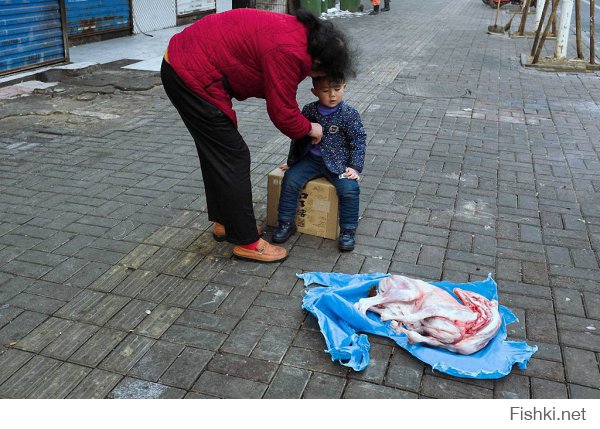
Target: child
{"type": "Point", "coordinates": [339, 157]}
{"type": "Point", "coordinates": [375, 10]}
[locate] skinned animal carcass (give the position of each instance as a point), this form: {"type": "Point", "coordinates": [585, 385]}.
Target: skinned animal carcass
{"type": "Point", "coordinates": [430, 315]}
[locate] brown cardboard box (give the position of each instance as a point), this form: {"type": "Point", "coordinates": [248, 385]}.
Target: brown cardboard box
{"type": "Point", "coordinates": [317, 212]}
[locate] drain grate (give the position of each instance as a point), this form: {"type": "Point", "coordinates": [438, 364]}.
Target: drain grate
{"type": "Point", "coordinates": [432, 90]}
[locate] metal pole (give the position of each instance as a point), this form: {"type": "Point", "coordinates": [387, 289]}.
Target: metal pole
{"type": "Point", "coordinates": [592, 33]}
{"type": "Point", "coordinates": [538, 52]}
{"type": "Point", "coordinates": [524, 18]}
{"type": "Point", "coordinates": [539, 27]}
{"type": "Point", "coordinates": [562, 40]}
{"type": "Point", "coordinates": [578, 28]}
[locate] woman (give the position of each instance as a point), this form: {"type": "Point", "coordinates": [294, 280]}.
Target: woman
{"type": "Point", "coordinates": [239, 54]}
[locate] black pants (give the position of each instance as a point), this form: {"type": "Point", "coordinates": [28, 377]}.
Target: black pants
{"type": "Point", "coordinates": [224, 159]}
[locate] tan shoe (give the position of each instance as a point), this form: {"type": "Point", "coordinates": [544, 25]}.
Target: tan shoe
{"type": "Point", "coordinates": [265, 252]}
{"type": "Point", "coordinates": [220, 235]}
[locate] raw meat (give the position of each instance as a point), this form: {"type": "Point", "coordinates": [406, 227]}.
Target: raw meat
{"type": "Point", "coordinates": [428, 314]}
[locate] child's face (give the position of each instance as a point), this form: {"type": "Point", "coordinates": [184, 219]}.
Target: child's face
{"type": "Point", "coordinates": [330, 94]}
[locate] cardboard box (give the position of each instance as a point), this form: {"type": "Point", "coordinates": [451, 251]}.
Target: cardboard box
{"type": "Point", "coordinates": [317, 212]}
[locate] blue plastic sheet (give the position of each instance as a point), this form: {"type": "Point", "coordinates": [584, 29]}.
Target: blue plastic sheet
{"type": "Point", "coordinates": [341, 325]}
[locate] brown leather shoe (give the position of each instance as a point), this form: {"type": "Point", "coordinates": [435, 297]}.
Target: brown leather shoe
{"type": "Point", "coordinates": [265, 252]}
{"type": "Point", "coordinates": [220, 235]}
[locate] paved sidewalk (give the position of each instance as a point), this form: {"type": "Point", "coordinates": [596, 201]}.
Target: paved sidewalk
{"type": "Point", "coordinates": [112, 286]}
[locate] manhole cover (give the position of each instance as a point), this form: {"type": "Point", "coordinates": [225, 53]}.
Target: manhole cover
{"type": "Point", "coordinates": [432, 90]}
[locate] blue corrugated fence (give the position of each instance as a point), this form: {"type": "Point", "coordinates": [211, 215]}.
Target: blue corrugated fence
{"type": "Point", "coordinates": [87, 17]}
{"type": "Point", "coordinates": [31, 33]}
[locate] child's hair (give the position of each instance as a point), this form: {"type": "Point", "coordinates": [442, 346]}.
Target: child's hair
{"type": "Point", "coordinates": [339, 80]}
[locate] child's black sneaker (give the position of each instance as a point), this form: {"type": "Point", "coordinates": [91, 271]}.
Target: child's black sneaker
{"type": "Point", "coordinates": [346, 240]}
{"type": "Point", "coordinates": [283, 232]}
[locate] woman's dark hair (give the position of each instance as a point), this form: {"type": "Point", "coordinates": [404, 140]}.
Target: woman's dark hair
{"type": "Point", "coordinates": [328, 47]}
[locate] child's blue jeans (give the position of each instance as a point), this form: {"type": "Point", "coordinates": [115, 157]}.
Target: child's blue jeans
{"type": "Point", "coordinates": [308, 168]}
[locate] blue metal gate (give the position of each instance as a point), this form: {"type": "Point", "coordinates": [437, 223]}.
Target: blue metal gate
{"type": "Point", "coordinates": [31, 34]}
{"type": "Point", "coordinates": [98, 17]}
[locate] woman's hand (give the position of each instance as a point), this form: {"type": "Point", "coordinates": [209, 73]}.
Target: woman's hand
{"type": "Point", "coordinates": [284, 167]}
{"type": "Point", "coordinates": [351, 173]}
{"type": "Point", "coordinates": [316, 132]}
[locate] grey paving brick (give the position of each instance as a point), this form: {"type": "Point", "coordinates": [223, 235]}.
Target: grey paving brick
{"type": "Point", "coordinates": [156, 361]}
{"type": "Point", "coordinates": [211, 297]}
{"type": "Point", "coordinates": [158, 321]}
{"type": "Point", "coordinates": [436, 387]}
{"type": "Point", "coordinates": [96, 385]}
{"type": "Point", "coordinates": [240, 280]}
{"type": "Point", "coordinates": [70, 340]}
{"type": "Point", "coordinates": [127, 354]}
{"type": "Point", "coordinates": [363, 390]}
{"type": "Point", "coordinates": [44, 334]}
{"type": "Point", "coordinates": [8, 313]}
{"type": "Point", "coordinates": [131, 315]}
{"type": "Point", "coordinates": [208, 268]}
{"type": "Point", "coordinates": [271, 316]}
{"type": "Point", "coordinates": [13, 287]}
{"type": "Point", "coordinates": [592, 305]}
{"type": "Point", "coordinates": [186, 368]}
{"type": "Point", "coordinates": [243, 367]}
{"type": "Point", "coordinates": [36, 303]}
{"type": "Point", "coordinates": [256, 270]}
{"type": "Point", "coordinates": [541, 326]}
{"type": "Point", "coordinates": [88, 274]}
{"type": "Point", "coordinates": [313, 360]}
{"type": "Point", "coordinates": [582, 367]}
{"type": "Point", "coordinates": [20, 326]}
{"type": "Point", "coordinates": [302, 264]}
{"type": "Point", "coordinates": [545, 389]}
{"type": "Point", "coordinates": [404, 372]}
{"type": "Point", "coordinates": [559, 256]}
{"type": "Point", "coordinates": [27, 269]}
{"type": "Point", "coordinates": [208, 340]}
{"type": "Point", "coordinates": [582, 392]}
{"type": "Point", "coordinates": [274, 344]}
{"type": "Point", "coordinates": [97, 347]}
{"type": "Point", "coordinates": [110, 279]}
{"type": "Point", "coordinates": [138, 256]}
{"type": "Point", "coordinates": [379, 355]}
{"type": "Point", "coordinates": [23, 382]}
{"type": "Point", "coordinates": [213, 322]}
{"type": "Point", "coordinates": [224, 386]}
{"type": "Point", "coordinates": [244, 337]}
{"type": "Point", "coordinates": [185, 293]}
{"type": "Point", "coordinates": [60, 292]}
{"type": "Point", "coordinates": [548, 370]}
{"type": "Point", "coordinates": [158, 289]}
{"type": "Point", "coordinates": [60, 382]}
{"type": "Point", "coordinates": [288, 383]}
{"type": "Point", "coordinates": [133, 284]}
{"type": "Point", "coordinates": [11, 361]}
{"type": "Point", "coordinates": [131, 388]}
{"type": "Point", "coordinates": [324, 386]}
{"type": "Point", "coordinates": [282, 281]}
{"type": "Point", "coordinates": [512, 386]}
{"type": "Point", "coordinates": [569, 301]}
{"type": "Point", "coordinates": [63, 271]}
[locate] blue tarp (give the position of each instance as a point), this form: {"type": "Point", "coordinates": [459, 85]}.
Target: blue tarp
{"type": "Point", "coordinates": [341, 324]}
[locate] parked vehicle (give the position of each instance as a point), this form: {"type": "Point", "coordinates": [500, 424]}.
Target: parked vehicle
{"type": "Point", "coordinates": [494, 3]}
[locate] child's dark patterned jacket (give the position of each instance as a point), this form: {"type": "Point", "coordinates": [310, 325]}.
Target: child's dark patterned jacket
{"type": "Point", "coordinates": [344, 139]}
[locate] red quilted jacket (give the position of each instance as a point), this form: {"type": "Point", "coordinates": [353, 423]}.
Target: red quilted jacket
{"type": "Point", "coordinates": [246, 53]}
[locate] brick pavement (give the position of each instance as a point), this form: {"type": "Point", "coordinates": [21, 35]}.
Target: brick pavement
{"type": "Point", "coordinates": [111, 285]}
